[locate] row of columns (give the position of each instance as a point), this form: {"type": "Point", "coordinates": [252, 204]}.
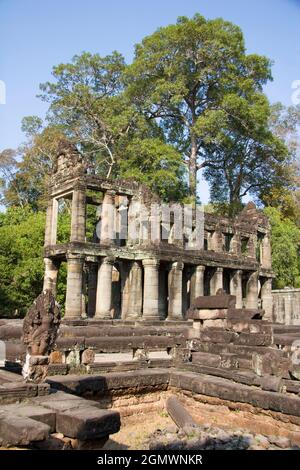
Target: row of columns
{"type": "Point", "coordinates": [143, 291]}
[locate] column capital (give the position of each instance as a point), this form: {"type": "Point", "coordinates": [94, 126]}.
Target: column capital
{"type": "Point", "coordinates": [200, 268]}
{"type": "Point", "coordinates": [178, 265]}
{"type": "Point", "coordinates": [108, 260]}
{"type": "Point", "coordinates": [75, 256]}
{"type": "Point", "coordinates": [219, 270]}
{"type": "Point", "coordinates": [151, 262]}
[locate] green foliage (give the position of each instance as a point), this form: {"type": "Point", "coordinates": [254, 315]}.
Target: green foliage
{"type": "Point", "coordinates": [285, 249]}
{"type": "Point", "coordinates": [194, 71]}
{"type": "Point", "coordinates": [21, 261]}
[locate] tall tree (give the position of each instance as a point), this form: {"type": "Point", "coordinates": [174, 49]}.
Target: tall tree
{"type": "Point", "coordinates": [87, 101]}
{"type": "Point", "coordinates": [185, 70]}
{"type": "Point", "coordinates": [244, 156]}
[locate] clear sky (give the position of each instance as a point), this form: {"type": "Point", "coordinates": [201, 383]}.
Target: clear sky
{"type": "Point", "coordinates": [37, 34]}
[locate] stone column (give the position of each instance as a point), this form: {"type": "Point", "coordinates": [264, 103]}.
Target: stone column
{"type": "Point", "coordinates": [252, 292]}
{"type": "Point", "coordinates": [151, 290]}
{"type": "Point", "coordinates": [236, 287]}
{"type": "Point", "coordinates": [104, 289]}
{"type": "Point", "coordinates": [51, 273]}
{"type": "Point", "coordinates": [216, 281]}
{"type": "Point", "coordinates": [73, 308]}
{"type": "Point", "coordinates": [266, 256]}
{"type": "Point", "coordinates": [92, 289]}
{"type": "Point", "coordinates": [175, 292]}
{"type": "Point", "coordinates": [107, 236]}
{"type": "Point", "coordinates": [267, 299]}
{"type": "Point", "coordinates": [163, 294]}
{"type": "Point", "coordinates": [51, 222]}
{"type": "Point", "coordinates": [217, 241]}
{"type": "Point", "coordinates": [197, 283]}
{"type": "Point", "coordinates": [135, 297]}
{"type": "Point", "coordinates": [78, 216]}
{"type": "Point", "coordinates": [125, 286]}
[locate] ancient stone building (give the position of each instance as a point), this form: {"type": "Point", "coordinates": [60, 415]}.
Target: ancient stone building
{"type": "Point", "coordinates": [141, 261]}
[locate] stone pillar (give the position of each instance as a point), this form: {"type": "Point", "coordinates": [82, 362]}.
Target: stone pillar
{"type": "Point", "coordinates": [135, 298]}
{"type": "Point", "coordinates": [197, 283]}
{"type": "Point", "coordinates": [267, 299]}
{"type": "Point", "coordinates": [216, 281]}
{"type": "Point", "coordinates": [83, 296]}
{"type": "Point", "coordinates": [236, 244]}
{"type": "Point", "coordinates": [216, 242]}
{"type": "Point", "coordinates": [175, 292]}
{"type": "Point", "coordinates": [252, 291]}
{"type": "Point", "coordinates": [107, 236]}
{"type": "Point", "coordinates": [104, 289]}
{"type": "Point", "coordinates": [92, 289]}
{"type": "Point", "coordinates": [266, 255]}
{"type": "Point", "coordinates": [151, 290]}
{"type": "Point", "coordinates": [163, 294]}
{"type": "Point", "coordinates": [125, 286]}
{"type": "Point", "coordinates": [78, 216]}
{"type": "Point", "coordinates": [236, 287]}
{"type": "Point", "coordinates": [73, 308]}
{"type": "Point", "coordinates": [51, 273]}
{"type": "Point", "coordinates": [51, 222]}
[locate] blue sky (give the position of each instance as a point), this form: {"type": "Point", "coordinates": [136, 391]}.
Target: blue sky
{"type": "Point", "coordinates": [35, 35]}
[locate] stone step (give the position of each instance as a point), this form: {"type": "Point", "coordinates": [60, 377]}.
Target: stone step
{"type": "Point", "coordinates": [222, 360]}
{"type": "Point", "coordinates": [225, 389]}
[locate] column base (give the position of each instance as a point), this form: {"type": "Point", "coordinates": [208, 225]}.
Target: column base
{"type": "Point", "coordinates": [174, 318]}
{"type": "Point", "coordinates": [103, 316]}
{"type": "Point", "coordinates": [152, 318]}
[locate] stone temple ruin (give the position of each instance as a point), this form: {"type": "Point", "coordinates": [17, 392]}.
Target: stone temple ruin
{"type": "Point", "coordinates": [166, 308]}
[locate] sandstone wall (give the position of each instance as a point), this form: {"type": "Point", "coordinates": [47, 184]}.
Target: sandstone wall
{"type": "Point", "coordinates": [286, 306]}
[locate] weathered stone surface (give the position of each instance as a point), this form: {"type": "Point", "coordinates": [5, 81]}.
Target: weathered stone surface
{"type": "Point", "coordinates": [179, 414]}
{"type": "Point", "coordinates": [88, 356]}
{"type": "Point", "coordinates": [18, 431]}
{"type": "Point", "coordinates": [41, 324]}
{"type": "Point", "coordinates": [272, 383]}
{"type": "Point", "coordinates": [35, 412]}
{"type": "Point", "coordinates": [253, 339]}
{"type": "Point", "coordinates": [209, 360]}
{"type": "Point", "coordinates": [271, 363]}
{"type": "Point", "coordinates": [222, 301]}
{"type": "Point", "coordinates": [56, 357]}
{"type": "Point", "coordinates": [88, 423]}
{"type": "Point", "coordinates": [208, 314]}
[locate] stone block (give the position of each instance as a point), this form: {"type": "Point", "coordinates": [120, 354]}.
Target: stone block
{"type": "Point", "coordinates": [88, 423]}
{"type": "Point", "coordinates": [56, 357]}
{"type": "Point", "coordinates": [19, 431]}
{"type": "Point", "coordinates": [214, 302]}
{"type": "Point", "coordinates": [88, 356]}
{"type": "Point", "coordinates": [36, 412]}
{"type": "Point", "coordinates": [253, 339]}
{"type": "Point", "coordinates": [272, 383]}
{"type": "Point", "coordinates": [206, 359]}
{"type": "Point", "coordinates": [217, 335]}
{"type": "Point", "coordinates": [271, 363]}
{"type": "Point", "coordinates": [207, 314]}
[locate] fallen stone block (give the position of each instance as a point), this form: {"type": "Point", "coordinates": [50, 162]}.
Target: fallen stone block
{"type": "Point", "coordinates": [19, 431]}
{"type": "Point", "coordinates": [36, 412]}
{"type": "Point", "coordinates": [244, 314]}
{"type": "Point", "coordinates": [88, 423]}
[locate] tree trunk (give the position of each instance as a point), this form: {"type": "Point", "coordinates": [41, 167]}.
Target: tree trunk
{"type": "Point", "coordinates": [193, 169]}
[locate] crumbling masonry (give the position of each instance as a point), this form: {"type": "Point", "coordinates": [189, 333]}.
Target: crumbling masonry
{"type": "Point", "coordinates": [134, 268]}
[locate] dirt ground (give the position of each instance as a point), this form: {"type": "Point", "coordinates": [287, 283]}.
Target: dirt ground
{"type": "Point", "coordinates": [136, 430]}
